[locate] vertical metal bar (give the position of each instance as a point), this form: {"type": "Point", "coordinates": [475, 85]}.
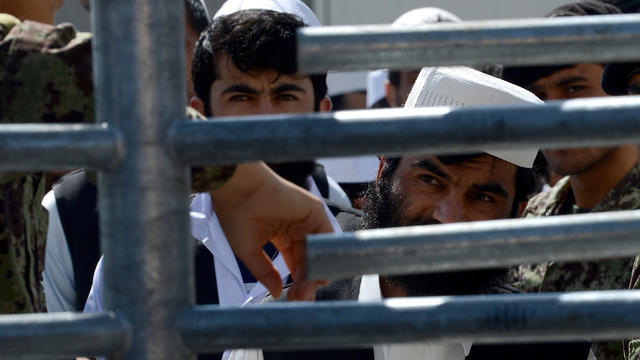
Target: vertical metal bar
{"type": "Point", "coordinates": [140, 88]}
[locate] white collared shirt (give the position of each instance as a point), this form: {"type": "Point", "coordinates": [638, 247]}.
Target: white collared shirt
{"type": "Point", "coordinates": [370, 291]}
{"type": "Point", "coordinates": [232, 291]}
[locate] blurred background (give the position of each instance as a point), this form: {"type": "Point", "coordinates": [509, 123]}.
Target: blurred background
{"type": "Point", "coordinates": [345, 12]}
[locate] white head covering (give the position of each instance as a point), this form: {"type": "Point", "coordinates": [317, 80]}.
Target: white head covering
{"type": "Point", "coordinates": [342, 82]}
{"type": "Point", "coordinates": [295, 7]}
{"type": "Point", "coordinates": [375, 85]}
{"type": "Point", "coordinates": [415, 17]}
{"type": "Point", "coordinates": [355, 169]}
{"type": "Point", "coordinates": [424, 16]}
{"type": "Point", "coordinates": [462, 87]}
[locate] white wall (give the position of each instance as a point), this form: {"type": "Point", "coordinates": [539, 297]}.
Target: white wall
{"type": "Point", "coordinates": [343, 12]}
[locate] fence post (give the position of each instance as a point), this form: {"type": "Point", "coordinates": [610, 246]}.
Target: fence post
{"type": "Point", "coordinates": [140, 90]}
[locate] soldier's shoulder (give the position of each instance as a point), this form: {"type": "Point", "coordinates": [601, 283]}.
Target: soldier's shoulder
{"type": "Point", "coordinates": [31, 35]}
{"type": "Point", "coordinates": [46, 74]}
{"type": "Point", "coordinates": [544, 203]}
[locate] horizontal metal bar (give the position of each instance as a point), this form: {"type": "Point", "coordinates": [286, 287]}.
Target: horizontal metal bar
{"type": "Point", "coordinates": [603, 121]}
{"type": "Point", "coordinates": [27, 147]}
{"type": "Point", "coordinates": [472, 245]}
{"type": "Point", "coordinates": [496, 318]}
{"type": "Point", "coordinates": [520, 41]}
{"type": "Point", "coordinates": [59, 335]}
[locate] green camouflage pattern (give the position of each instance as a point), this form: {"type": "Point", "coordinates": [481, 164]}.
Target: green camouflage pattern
{"type": "Point", "coordinates": [207, 178]}
{"type": "Point", "coordinates": [608, 274]}
{"type": "Point", "coordinates": [45, 77]}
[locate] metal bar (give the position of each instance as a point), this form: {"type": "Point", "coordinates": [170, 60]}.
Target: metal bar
{"type": "Point", "coordinates": [59, 335]}
{"type": "Point", "coordinates": [139, 66]}
{"type": "Point", "coordinates": [493, 318]}
{"type": "Point", "coordinates": [565, 40]}
{"type": "Point", "coordinates": [603, 121]}
{"type": "Point", "coordinates": [474, 245]}
{"type": "Point", "coordinates": [28, 147]}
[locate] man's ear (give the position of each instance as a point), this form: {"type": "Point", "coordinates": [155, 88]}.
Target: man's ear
{"type": "Point", "coordinates": [521, 207]}
{"type": "Point", "coordinates": [197, 104]}
{"type": "Point", "coordinates": [325, 104]}
{"type": "Point", "coordinates": [390, 92]}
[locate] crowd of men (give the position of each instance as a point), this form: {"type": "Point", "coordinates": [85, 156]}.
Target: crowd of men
{"type": "Point", "coordinates": [242, 61]}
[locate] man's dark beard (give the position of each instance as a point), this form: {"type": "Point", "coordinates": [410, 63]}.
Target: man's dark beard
{"type": "Point", "coordinates": [383, 209]}
{"type": "Point", "coordinates": [296, 172]}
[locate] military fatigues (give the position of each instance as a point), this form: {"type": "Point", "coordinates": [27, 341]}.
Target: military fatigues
{"type": "Point", "coordinates": [45, 77]}
{"type": "Point", "coordinates": [608, 274]}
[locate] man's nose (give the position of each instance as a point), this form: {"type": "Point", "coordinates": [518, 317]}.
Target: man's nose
{"type": "Point", "coordinates": [449, 210]}
{"type": "Point", "coordinates": [266, 107]}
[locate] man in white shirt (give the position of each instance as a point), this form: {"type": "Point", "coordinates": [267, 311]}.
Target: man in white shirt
{"type": "Point", "coordinates": [235, 73]}
{"type": "Point", "coordinates": [419, 190]}
{"type": "Point", "coordinates": [422, 190]}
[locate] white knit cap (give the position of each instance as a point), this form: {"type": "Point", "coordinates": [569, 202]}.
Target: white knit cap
{"type": "Point", "coordinates": [342, 82]}
{"type": "Point", "coordinates": [424, 16]}
{"type": "Point", "coordinates": [295, 7]}
{"type": "Point", "coordinates": [415, 17]}
{"type": "Point", "coordinates": [463, 87]}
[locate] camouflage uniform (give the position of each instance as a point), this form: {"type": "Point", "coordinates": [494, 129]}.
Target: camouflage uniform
{"type": "Point", "coordinates": [608, 274]}
{"type": "Point", "coordinates": [633, 347]}
{"type": "Point", "coordinates": [45, 77]}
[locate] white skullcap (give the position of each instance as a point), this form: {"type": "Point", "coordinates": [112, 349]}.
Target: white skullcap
{"type": "Point", "coordinates": [342, 82]}
{"type": "Point", "coordinates": [375, 86]}
{"type": "Point", "coordinates": [424, 16]}
{"type": "Point", "coordinates": [295, 7]}
{"type": "Point", "coordinates": [463, 87]}
{"type": "Point", "coordinates": [415, 17]}
{"type": "Point", "coordinates": [356, 169]}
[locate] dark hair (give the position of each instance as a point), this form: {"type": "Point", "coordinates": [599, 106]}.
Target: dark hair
{"type": "Point", "coordinates": [526, 181]}
{"type": "Point", "coordinates": [253, 40]}
{"type": "Point", "coordinates": [524, 76]}
{"type": "Point", "coordinates": [197, 15]}
{"type": "Point", "coordinates": [394, 78]}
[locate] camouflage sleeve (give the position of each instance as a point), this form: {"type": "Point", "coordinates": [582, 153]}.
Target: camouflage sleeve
{"type": "Point", "coordinates": [45, 76]}
{"type": "Point", "coordinates": [632, 347]}
{"type": "Point", "coordinates": [207, 178]}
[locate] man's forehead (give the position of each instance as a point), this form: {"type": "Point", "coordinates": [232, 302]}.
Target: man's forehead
{"type": "Point", "coordinates": [483, 165]}
{"type": "Point", "coordinates": [227, 70]}
{"type": "Point", "coordinates": [581, 70]}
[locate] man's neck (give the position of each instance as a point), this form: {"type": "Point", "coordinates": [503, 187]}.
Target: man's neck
{"type": "Point", "coordinates": [591, 186]}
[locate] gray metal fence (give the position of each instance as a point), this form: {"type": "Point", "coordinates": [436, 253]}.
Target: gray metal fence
{"type": "Point", "coordinates": [143, 146]}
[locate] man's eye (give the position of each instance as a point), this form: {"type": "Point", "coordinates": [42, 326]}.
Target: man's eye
{"type": "Point", "coordinates": [287, 97]}
{"type": "Point", "coordinates": [239, 98]}
{"type": "Point", "coordinates": [575, 88]}
{"type": "Point", "coordinates": [430, 180]}
{"type": "Point", "coordinates": [484, 197]}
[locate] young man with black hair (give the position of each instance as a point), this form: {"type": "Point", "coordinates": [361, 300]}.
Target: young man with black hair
{"type": "Point", "coordinates": [235, 73]}
{"type": "Point", "coordinates": [595, 179]}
